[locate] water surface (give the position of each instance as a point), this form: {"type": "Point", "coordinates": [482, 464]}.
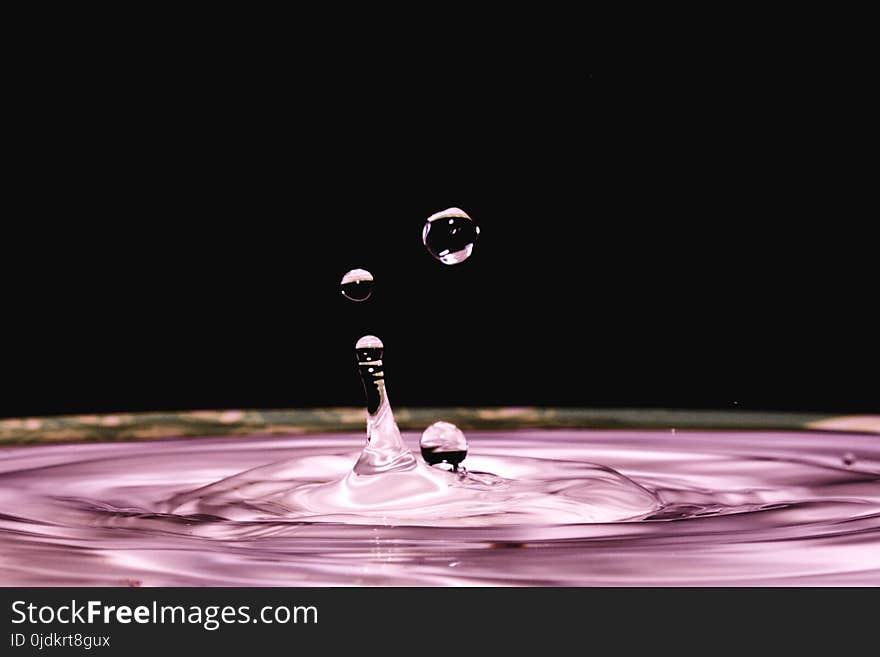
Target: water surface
{"type": "Point", "coordinates": [560, 507]}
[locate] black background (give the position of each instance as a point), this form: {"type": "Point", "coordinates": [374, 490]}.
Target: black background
{"type": "Point", "coordinates": [177, 232]}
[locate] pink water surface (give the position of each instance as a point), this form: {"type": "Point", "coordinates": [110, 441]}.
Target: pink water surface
{"type": "Point", "coordinates": [554, 507]}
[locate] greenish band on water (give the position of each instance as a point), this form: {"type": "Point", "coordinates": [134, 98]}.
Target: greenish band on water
{"type": "Point", "coordinates": [148, 426]}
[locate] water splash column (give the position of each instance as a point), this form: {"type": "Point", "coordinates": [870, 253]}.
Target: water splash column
{"type": "Point", "coordinates": [385, 450]}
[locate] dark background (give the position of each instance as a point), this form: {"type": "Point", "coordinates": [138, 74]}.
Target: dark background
{"type": "Point", "coordinates": [175, 240]}
{"type": "Point", "coordinates": [527, 616]}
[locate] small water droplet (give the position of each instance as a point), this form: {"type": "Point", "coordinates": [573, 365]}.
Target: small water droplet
{"type": "Point", "coordinates": [443, 442]}
{"type": "Point", "coordinates": [848, 459]}
{"type": "Point", "coordinates": [449, 236]}
{"type": "Point", "coordinates": [357, 285]}
{"type": "Point", "coordinates": [369, 342]}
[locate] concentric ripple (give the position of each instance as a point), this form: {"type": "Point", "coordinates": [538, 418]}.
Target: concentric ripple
{"type": "Point", "coordinates": [554, 507]}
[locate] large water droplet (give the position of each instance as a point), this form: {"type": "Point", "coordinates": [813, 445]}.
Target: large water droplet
{"type": "Point", "coordinates": [357, 285]}
{"type": "Point", "coordinates": [443, 442]}
{"type": "Point", "coordinates": [848, 458]}
{"type": "Point", "coordinates": [449, 236]}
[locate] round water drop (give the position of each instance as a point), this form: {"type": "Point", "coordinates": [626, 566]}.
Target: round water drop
{"type": "Point", "coordinates": [369, 342]}
{"type": "Point", "coordinates": [357, 285]}
{"type": "Point", "coordinates": [848, 459]}
{"type": "Point", "coordinates": [443, 442]}
{"type": "Point", "coordinates": [449, 236]}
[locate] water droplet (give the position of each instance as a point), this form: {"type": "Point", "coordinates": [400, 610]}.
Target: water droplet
{"type": "Point", "coordinates": [357, 285]}
{"type": "Point", "coordinates": [449, 236]}
{"type": "Point", "coordinates": [369, 342]}
{"type": "Point", "coordinates": [443, 442]}
{"type": "Point", "coordinates": [848, 459]}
